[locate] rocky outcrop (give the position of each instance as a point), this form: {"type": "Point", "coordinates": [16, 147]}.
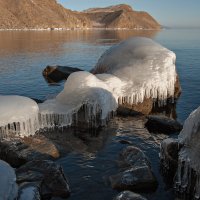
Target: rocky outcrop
{"type": "Point", "coordinates": [121, 16]}
{"type": "Point", "coordinates": [18, 151]}
{"type": "Point", "coordinates": [135, 171]}
{"type": "Point", "coordinates": [47, 175]}
{"type": "Point", "coordinates": [162, 124]}
{"type": "Point", "coordinates": [127, 195]}
{"type": "Point", "coordinates": [54, 74]}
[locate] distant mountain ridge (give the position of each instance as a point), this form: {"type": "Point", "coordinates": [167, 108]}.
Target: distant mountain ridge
{"type": "Point", "coordinates": [43, 14]}
{"type": "Point", "coordinates": [121, 16]}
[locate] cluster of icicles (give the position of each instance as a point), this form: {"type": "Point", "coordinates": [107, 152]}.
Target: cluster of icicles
{"type": "Point", "coordinates": [188, 173]}
{"type": "Point", "coordinates": [128, 73]}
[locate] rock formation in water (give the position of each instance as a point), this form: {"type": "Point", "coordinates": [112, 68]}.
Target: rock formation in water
{"type": "Point", "coordinates": [129, 74]}
{"type": "Point", "coordinates": [121, 16]}
{"type": "Point", "coordinates": [37, 14]}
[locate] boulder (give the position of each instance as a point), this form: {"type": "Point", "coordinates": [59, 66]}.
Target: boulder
{"type": "Point", "coordinates": [162, 124]}
{"type": "Point", "coordinates": [54, 74]}
{"type": "Point", "coordinates": [18, 151]}
{"type": "Point", "coordinates": [127, 195]}
{"type": "Point", "coordinates": [48, 175]}
{"type": "Point", "coordinates": [135, 172]}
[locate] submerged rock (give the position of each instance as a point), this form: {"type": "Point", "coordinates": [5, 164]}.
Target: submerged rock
{"type": "Point", "coordinates": [8, 186]}
{"type": "Point", "coordinates": [18, 151]}
{"type": "Point", "coordinates": [54, 74]}
{"type": "Point", "coordinates": [162, 124]}
{"type": "Point", "coordinates": [135, 172]}
{"type": "Point", "coordinates": [48, 175]}
{"type": "Point", "coordinates": [127, 195]}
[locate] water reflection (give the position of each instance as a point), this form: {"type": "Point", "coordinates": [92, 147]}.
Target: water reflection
{"type": "Point", "coordinates": [12, 42]}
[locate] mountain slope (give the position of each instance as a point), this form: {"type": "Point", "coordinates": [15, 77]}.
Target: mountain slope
{"type": "Point", "coordinates": [39, 14]}
{"type": "Point", "coordinates": [121, 16]}
{"type": "Point", "coordinates": [35, 14]}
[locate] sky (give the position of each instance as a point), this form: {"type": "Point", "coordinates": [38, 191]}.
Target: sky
{"type": "Point", "coordinates": [171, 13]}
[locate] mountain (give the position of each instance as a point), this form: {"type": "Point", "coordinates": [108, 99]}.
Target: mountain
{"type": "Point", "coordinates": [36, 14]}
{"type": "Point", "coordinates": [121, 16]}
{"type": "Point", "coordinates": [39, 14]}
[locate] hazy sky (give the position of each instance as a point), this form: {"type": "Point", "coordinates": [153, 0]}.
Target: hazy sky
{"type": "Point", "coordinates": [181, 13]}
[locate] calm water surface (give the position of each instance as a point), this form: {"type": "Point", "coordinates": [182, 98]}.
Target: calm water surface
{"type": "Point", "coordinates": [23, 56]}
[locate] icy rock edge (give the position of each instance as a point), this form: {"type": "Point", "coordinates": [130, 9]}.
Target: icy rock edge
{"type": "Point", "coordinates": [187, 179]}
{"type": "Point", "coordinates": [180, 158]}
{"type": "Point", "coordinates": [129, 72]}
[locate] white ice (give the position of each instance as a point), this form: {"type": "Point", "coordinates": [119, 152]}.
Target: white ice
{"type": "Point", "coordinates": [8, 186]}
{"type": "Point", "coordinates": [18, 115]}
{"type": "Point", "coordinates": [147, 68]}
{"type": "Point", "coordinates": [81, 88]}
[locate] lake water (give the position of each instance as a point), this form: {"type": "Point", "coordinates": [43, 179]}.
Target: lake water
{"type": "Point", "coordinates": [23, 56]}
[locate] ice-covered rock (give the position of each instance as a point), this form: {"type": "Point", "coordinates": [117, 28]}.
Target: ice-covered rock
{"type": "Point", "coordinates": [18, 116]}
{"type": "Point", "coordinates": [188, 172]}
{"type": "Point", "coordinates": [8, 186]}
{"type": "Point", "coordinates": [147, 68]}
{"type": "Point", "coordinates": [81, 89]}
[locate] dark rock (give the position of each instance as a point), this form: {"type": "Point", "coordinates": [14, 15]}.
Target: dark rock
{"type": "Point", "coordinates": [54, 74]}
{"type": "Point", "coordinates": [18, 151]}
{"type": "Point", "coordinates": [38, 100]}
{"type": "Point", "coordinates": [29, 191]}
{"type": "Point", "coordinates": [127, 195]}
{"type": "Point", "coordinates": [125, 142]}
{"type": "Point", "coordinates": [169, 156]}
{"type": "Point", "coordinates": [162, 124]}
{"type": "Point", "coordinates": [135, 172]}
{"type": "Point", "coordinates": [48, 174]}
{"type": "Point", "coordinates": [125, 111]}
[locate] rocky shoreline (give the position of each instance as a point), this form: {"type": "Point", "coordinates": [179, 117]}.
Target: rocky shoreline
{"type": "Point", "coordinates": [35, 157]}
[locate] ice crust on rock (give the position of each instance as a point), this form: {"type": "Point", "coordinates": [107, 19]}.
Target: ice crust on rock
{"type": "Point", "coordinates": [81, 88]}
{"type": "Point", "coordinates": [188, 173]}
{"type": "Point", "coordinates": [147, 68]}
{"type": "Point", "coordinates": [18, 115]}
{"type": "Point", "coordinates": [129, 72]}
{"type": "Point", "coordinates": [8, 186]}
